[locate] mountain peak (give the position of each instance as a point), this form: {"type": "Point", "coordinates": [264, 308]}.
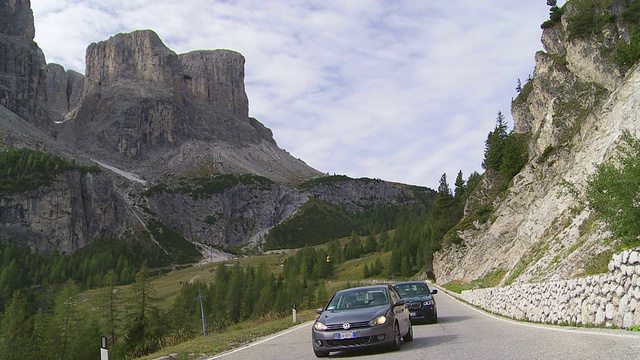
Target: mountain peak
{"type": "Point", "coordinates": [16, 19]}
{"type": "Point", "coordinates": [139, 55]}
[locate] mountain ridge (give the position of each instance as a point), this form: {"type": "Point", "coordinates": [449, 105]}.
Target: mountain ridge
{"type": "Point", "coordinates": [153, 119]}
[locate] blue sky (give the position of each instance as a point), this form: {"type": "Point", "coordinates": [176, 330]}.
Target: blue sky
{"type": "Point", "coordinates": [397, 90]}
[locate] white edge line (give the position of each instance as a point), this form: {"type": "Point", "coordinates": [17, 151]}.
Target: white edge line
{"type": "Point", "coordinates": [261, 341]}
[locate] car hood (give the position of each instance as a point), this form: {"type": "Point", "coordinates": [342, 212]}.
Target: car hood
{"type": "Point", "coordinates": [352, 315]}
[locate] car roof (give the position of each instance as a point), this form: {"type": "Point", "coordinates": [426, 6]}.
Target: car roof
{"type": "Point", "coordinates": [369, 287]}
{"type": "Point", "coordinates": [410, 282]}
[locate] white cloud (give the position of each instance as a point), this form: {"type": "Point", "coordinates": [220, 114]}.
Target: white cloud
{"type": "Point", "coordinates": [398, 90]}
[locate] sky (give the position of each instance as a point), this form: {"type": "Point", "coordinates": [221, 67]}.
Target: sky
{"type": "Point", "coordinates": [398, 90]}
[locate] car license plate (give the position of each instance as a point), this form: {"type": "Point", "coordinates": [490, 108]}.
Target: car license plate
{"type": "Point", "coordinates": [345, 335]}
{"type": "Point", "coordinates": [414, 314]}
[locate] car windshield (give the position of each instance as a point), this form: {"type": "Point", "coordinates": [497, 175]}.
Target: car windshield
{"type": "Point", "coordinates": [353, 299]}
{"type": "Point", "coordinates": [412, 289]}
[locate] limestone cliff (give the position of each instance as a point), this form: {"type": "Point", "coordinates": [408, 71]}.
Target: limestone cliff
{"type": "Point", "coordinates": [154, 112]}
{"type": "Point", "coordinates": [574, 111]}
{"type": "Point", "coordinates": [152, 119]}
{"type": "Point", "coordinates": [66, 216]}
{"type": "Point", "coordinates": [21, 61]}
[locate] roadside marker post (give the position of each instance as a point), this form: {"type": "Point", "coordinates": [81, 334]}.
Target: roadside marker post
{"type": "Point", "coordinates": [104, 353]}
{"type": "Point", "coordinates": [294, 313]}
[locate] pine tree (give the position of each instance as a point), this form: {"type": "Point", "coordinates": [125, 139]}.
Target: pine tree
{"type": "Point", "coordinates": [460, 186]}
{"type": "Point", "coordinates": [405, 267]}
{"type": "Point", "coordinates": [111, 303]}
{"type": "Point", "coordinates": [354, 247]}
{"type": "Point", "coordinates": [515, 155]}
{"type": "Point", "coordinates": [385, 241]}
{"type": "Point", "coordinates": [138, 337]}
{"type": "Point", "coordinates": [265, 299]}
{"type": "Point", "coordinates": [322, 295]}
{"type": "Point", "coordinates": [63, 323]}
{"type": "Point", "coordinates": [377, 267]}
{"type": "Point", "coordinates": [370, 244]}
{"type": "Point", "coordinates": [15, 329]}
{"type": "Point", "coordinates": [235, 288]}
{"type": "Point", "coordinates": [495, 144]}
{"type": "Point", "coordinates": [250, 294]}
{"type": "Point", "coordinates": [443, 187]}
{"type": "Point", "coordinates": [144, 294]}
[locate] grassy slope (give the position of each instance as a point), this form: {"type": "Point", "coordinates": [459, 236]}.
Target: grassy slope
{"type": "Point", "coordinates": [167, 287]}
{"type": "Point", "coordinates": [232, 337]}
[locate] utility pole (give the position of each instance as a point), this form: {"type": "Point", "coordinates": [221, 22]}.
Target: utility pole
{"type": "Point", "coordinates": [204, 322]}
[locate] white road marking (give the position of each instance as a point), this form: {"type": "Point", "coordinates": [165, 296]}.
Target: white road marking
{"type": "Point", "coordinates": [574, 330]}
{"type": "Point", "coordinates": [308, 323]}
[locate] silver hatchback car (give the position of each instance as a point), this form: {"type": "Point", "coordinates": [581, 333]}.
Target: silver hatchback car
{"type": "Point", "coordinates": [362, 317]}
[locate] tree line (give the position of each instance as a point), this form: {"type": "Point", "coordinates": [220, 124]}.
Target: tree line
{"type": "Point", "coordinates": [26, 169]}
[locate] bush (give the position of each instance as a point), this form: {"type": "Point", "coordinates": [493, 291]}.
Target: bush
{"type": "Point", "coordinates": [613, 191]}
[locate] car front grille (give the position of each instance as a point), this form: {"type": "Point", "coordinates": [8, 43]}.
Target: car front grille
{"type": "Point", "coordinates": [415, 305]}
{"type": "Point", "coordinates": [353, 325]}
{"type": "Point", "coordinates": [350, 342]}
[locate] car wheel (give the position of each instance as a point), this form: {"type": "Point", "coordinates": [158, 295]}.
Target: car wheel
{"type": "Point", "coordinates": [409, 335]}
{"type": "Point", "coordinates": [435, 317]}
{"type": "Point", "coordinates": [397, 340]}
{"type": "Point", "coordinates": [320, 354]}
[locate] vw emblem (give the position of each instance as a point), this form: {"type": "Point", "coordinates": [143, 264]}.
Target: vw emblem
{"type": "Point", "coordinates": [346, 326]}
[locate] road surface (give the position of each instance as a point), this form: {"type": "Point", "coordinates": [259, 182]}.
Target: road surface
{"type": "Point", "coordinates": [464, 332]}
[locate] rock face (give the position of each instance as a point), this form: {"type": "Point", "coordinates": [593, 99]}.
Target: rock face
{"type": "Point", "coordinates": [137, 56]}
{"type": "Point", "coordinates": [63, 91]}
{"type": "Point", "coordinates": [21, 61]}
{"type": "Point", "coordinates": [144, 107]}
{"type": "Point", "coordinates": [574, 110]}
{"type": "Point", "coordinates": [66, 216]}
{"type": "Point", "coordinates": [242, 214]}
{"type": "Point", "coordinates": [217, 77]}
{"type": "Point", "coordinates": [16, 19]}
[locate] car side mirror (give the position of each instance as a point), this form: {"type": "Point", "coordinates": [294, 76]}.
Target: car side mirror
{"type": "Point", "coordinates": [399, 303]}
{"type": "Point", "coordinates": [434, 291]}
{"type": "Point", "coordinates": [320, 311]}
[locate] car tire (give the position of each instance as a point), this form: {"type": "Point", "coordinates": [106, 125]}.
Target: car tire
{"type": "Point", "coordinates": [397, 338]}
{"type": "Point", "coordinates": [409, 335]}
{"type": "Point", "coordinates": [320, 354]}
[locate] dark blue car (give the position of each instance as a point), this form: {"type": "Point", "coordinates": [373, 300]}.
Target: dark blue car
{"type": "Point", "coordinates": [420, 301]}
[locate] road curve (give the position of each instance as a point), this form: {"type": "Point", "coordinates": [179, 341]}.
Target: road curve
{"type": "Point", "coordinates": [464, 332]}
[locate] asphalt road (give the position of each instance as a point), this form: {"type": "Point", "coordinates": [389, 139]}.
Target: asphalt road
{"type": "Point", "coordinates": [464, 332]}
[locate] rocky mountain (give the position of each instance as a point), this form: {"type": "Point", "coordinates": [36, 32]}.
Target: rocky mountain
{"type": "Point", "coordinates": [573, 111]}
{"type": "Point", "coordinates": [172, 134]}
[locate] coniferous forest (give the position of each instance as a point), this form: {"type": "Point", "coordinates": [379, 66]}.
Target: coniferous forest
{"type": "Point", "coordinates": [45, 315]}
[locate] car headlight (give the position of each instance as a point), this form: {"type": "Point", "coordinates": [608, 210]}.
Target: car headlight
{"type": "Point", "coordinates": [428, 303]}
{"type": "Point", "coordinates": [378, 321]}
{"type": "Point", "coordinates": [319, 326]}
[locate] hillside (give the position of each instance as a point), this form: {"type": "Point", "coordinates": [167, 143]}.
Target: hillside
{"type": "Point", "coordinates": [584, 93]}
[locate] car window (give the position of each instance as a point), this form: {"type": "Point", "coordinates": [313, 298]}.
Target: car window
{"type": "Point", "coordinates": [354, 299]}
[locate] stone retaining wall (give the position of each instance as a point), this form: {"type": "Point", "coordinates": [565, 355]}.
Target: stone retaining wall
{"type": "Point", "coordinates": [601, 300]}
